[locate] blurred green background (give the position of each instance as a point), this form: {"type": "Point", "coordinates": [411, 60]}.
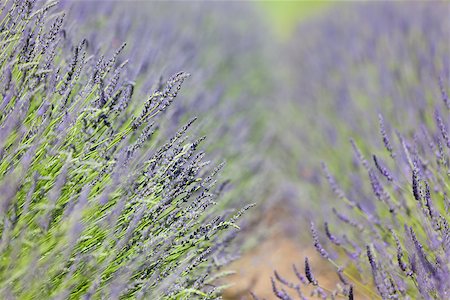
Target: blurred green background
{"type": "Point", "coordinates": [285, 15]}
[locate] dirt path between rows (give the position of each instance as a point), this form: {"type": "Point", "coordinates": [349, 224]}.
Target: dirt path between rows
{"type": "Point", "coordinates": [255, 269]}
{"type": "Point", "coordinates": [279, 251]}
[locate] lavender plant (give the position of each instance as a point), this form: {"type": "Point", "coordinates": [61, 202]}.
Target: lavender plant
{"type": "Point", "coordinates": [388, 232]}
{"type": "Point", "coordinates": [400, 248]}
{"type": "Point", "coordinates": [344, 67]}
{"type": "Point", "coordinates": [232, 68]}
{"type": "Point", "coordinates": [95, 202]}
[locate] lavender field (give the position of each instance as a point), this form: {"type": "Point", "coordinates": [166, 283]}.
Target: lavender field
{"type": "Point", "coordinates": [224, 150]}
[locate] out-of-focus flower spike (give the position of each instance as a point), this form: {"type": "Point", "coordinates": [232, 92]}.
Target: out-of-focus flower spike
{"type": "Point", "coordinates": [444, 93]}
{"type": "Point", "coordinates": [383, 170]}
{"type": "Point", "coordinates": [415, 184]}
{"type": "Point", "coordinates": [386, 141]}
{"type": "Point", "coordinates": [359, 155]}
{"type": "Point", "coordinates": [317, 243]}
{"type": "Point", "coordinates": [442, 127]}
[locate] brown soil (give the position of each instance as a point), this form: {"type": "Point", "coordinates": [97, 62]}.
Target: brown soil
{"type": "Point", "coordinates": [279, 251]}
{"type": "Point", "coordinates": [254, 269]}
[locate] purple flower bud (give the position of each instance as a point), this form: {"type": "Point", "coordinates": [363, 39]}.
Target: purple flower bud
{"type": "Point", "coordinates": [400, 261]}
{"type": "Point", "coordinates": [359, 155]}
{"type": "Point", "coordinates": [371, 259]}
{"type": "Point", "coordinates": [317, 243]}
{"type": "Point", "coordinates": [332, 181]}
{"type": "Point", "coordinates": [415, 184]}
{"type": "Point", "coordinates": [299, 275]}
{"type": "Point", "coordinates": [382, 169]}
{"type": "Point", "coordinates": [309, 274]}
{"type": "Point", "coordinates": [442, 127]}
{"type": "Point", "coordinates": [340, 273]}
{"type": "Point", "coordinates": [331, 237]}
{"type": "Point", "coordinates": [444, 92]}
{"type": "Point", "coordinates": [280, 294]}
{"type": "Point", "coordinates": [386, 141]}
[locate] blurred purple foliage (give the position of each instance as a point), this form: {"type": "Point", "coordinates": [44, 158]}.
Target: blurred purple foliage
{"type": "Point", "coordinates": [362, 70]}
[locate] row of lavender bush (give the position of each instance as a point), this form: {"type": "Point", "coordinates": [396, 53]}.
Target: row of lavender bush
{"type": "Point", "coordinates": [229, 90]}
{"type": "Point", "coordinates": [231, 67]}
{"type": "Point", "coordinates": [103, 192]}
{"type": "Point", "coordinates": [386, 228]}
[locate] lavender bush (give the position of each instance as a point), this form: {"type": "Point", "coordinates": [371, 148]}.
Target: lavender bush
{"type": "Point", "coordinates": [388, 235]}
{"type": "Point", "coordinates": [399, 249]}
{"type": "Point", "coordinates": [346, 66]}
{"type": "Point", "coordinates": [96, 202]}
{"type": "Point", "coordinates": [232, 67]}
